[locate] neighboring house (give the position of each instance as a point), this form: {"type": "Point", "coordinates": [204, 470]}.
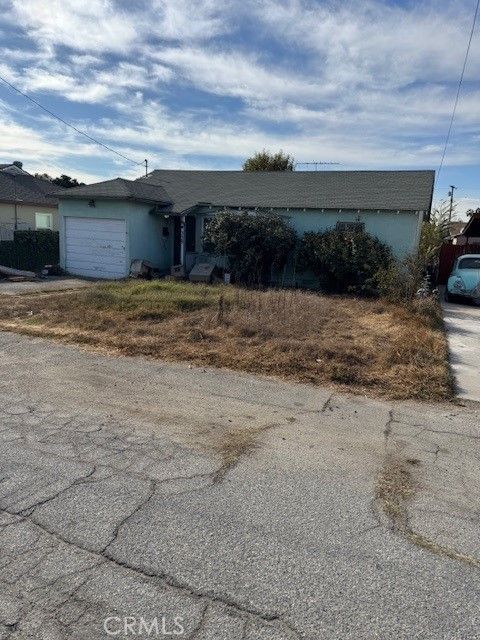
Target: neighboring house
{"type": "Point", "coordinates": [161, 218]}
{"type": "Point", "coordinates": [455, 229]}
{"type": "Point", "coordinates": [470, 231]}
{"type": "Point", "coordinates": [26, 202]}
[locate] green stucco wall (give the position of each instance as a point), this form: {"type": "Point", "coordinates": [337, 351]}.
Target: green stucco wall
{"type": "Point", "coordinates": [145, 239]}
{"type": "Point", "coordinates": [398, 230]}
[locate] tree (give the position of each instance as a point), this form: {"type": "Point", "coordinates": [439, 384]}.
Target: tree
{"type": "Point", "coordinates": [67, 182]}
{"type": "Point", "coordinates": [266, 161]}
{"type": "Point", "coordinates": [63, 181]}
{"type": "Point", "coordinates": [43, 176]}
{"type": "Point", "coordinates": [435, 232]}
{"type": "Point", "coordinates": [254, 243]}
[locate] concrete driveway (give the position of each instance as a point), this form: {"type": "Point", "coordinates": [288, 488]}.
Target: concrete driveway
{"type": "Point", "coordinates": [142, 496]}
{"type": "Point", "coordinates": [60, 283]}
{"type": "Point", "coordinates": [462, 322]}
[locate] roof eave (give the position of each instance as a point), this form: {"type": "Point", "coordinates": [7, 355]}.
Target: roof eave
{"type": "Point", "coordinates": [72, 196]}
{"type": "Point", "coordinates": [30, 203]}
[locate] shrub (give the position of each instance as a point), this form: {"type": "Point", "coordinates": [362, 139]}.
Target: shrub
{"type": "Point", "coordinates": [254, 243]}
{"type": "Point", "coordinates": [400, 280]}
{"type": "Point", "coordinates": [30, 250]}
{"type": "Point", "coordinates": [344, 262]}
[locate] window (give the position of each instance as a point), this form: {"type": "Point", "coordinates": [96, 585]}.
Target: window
{"type": "Point", "coordinates": [469, 263]}
{"type": "Point", "coordinates": [44, 221]}
{"type": "Point", "coordinates": [350, 227]}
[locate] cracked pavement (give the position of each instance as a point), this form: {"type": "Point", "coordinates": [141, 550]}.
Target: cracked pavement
{"type": "Point", "coordinates": [246, 506]}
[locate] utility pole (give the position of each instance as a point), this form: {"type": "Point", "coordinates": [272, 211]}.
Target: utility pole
{"type": "Point", "coordinates": [450, 193]}
{"type": "Point", "coordinates": [146, 167]}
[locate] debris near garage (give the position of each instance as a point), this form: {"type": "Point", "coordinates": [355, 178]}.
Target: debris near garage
{"type": "Point", "coordinates": [16, 275]}
{"type": "Point", "coordinates": [142, 269]}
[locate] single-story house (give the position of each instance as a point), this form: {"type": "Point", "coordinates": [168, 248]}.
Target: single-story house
{"type": "Point", "coordinates": [26, 202]}
{"type": "Point", "coordinates": [161, 217]}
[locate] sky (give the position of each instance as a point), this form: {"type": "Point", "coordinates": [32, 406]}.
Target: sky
{"type": "Point", "coordinates": [205, 83]}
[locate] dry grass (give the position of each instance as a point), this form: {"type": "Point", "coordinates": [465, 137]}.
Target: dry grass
{"type": "Point", "coordinates": [365, 345]}
{"type": "Point", "coordinates": [395, 491]}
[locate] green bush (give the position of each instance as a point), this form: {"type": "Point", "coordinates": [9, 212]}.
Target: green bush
{"type": "Point", "coordinates": [30, 250]}
{"type": "Point", "coordinates": [344, 262]}
{"type": "Point", "coordinates": [253, 243]}
{"type": "Point", "coordinates": [400, 280]}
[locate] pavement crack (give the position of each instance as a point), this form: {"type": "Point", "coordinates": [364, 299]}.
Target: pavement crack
{"type": "Point", "coordinates": [122, 523]}
{"type": "Point", "coordinates": [84, 479]}
{"type": "Point", "coordinates": [327, 404]}
{"type": "Point", "coordinates": [395, 489]}
{"type": "Point", "coordinates": [387, 431]}
{"type": "Point", "coordinates": [169, 580]}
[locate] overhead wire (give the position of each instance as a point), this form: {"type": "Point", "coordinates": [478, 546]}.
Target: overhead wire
{"type": "Point", "coordinates": [68, 124]}
{"type": "Point", "coordinates": [460, 82]}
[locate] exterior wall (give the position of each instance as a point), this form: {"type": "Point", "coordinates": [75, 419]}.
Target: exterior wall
{"type": "Point", "coordinates": [401, 231]}
{"type": "Point", "coordinates": [145, 240]}
{"type": "Point", "coordinates": [25, 215]}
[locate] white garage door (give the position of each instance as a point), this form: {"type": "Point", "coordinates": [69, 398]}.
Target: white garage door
{"type": "Point", "coordinates": [96, 247]}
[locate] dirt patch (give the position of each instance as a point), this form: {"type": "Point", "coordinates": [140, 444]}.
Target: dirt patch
{"type": "Point", "coordinates": [367, 346]}
{"type": "Point", "coordinates": [395, 489]}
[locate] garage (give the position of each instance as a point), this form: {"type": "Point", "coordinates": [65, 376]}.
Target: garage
{"type": "Point", "coordinates": [96, 247]}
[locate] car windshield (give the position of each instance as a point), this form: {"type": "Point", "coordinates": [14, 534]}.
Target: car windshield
{"type": "Point", "coordinates": [469, 263]}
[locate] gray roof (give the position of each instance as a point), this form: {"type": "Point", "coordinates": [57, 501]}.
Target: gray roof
{"type": "Point", "coordinates": [385, 190]}
{"type": "Point", "coordinates": [27, 189]}
{"type": "Point", "coordinates": [183, 190]}
{"type": "Point", "coordinates": [119, 189]}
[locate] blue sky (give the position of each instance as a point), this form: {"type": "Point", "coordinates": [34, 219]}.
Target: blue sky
{"type": "Point", "coordinates": [204, 84]}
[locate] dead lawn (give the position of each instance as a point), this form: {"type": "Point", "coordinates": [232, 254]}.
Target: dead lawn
{"type": "Point", "coordinates": [364, 345]}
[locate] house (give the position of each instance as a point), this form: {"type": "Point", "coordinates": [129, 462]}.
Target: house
{"type": "Point", "coordinates": [470, 232]}
{"type": "Point", "coordinates": [455, 229]}
{"type": "Point", "coordinates": [26, 202]}
{"type": "Point", "coordinates": [160, 218]}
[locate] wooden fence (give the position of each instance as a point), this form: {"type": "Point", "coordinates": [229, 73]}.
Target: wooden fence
{"type": "Point", "coordinates": [448, 254]}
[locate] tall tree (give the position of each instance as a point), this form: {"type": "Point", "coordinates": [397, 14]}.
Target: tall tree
{"type": "Point", "coordinates": [267, 161]}
{"type": "Point", "coordinates": [67, 182]}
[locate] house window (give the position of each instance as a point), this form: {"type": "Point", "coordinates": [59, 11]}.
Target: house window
{"type": "Point", "coordinates": [350, 227]}
{"type": "Point", "coordinates": [44, 221]}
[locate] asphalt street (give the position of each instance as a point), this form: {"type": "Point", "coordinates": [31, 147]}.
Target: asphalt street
{"type": "Point", "coordinates": [184, 502]}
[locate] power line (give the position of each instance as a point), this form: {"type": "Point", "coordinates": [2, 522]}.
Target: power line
{"type": "Point", "coordinates": [54, 115]}
{"type": "Point", "coordinates": [460, 82]}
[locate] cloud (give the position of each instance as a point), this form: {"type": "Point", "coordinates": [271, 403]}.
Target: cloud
{"type": "Point", "coordinates": [192, 82]}
{"type": "Point", "coordinates": [237, 74]}
{"type": "Point", "coordinates": [384, 45]}
{"type": "Point", "coordinates": [113, 26]}
{"type": "Point", "coordinates": [96, 25]}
